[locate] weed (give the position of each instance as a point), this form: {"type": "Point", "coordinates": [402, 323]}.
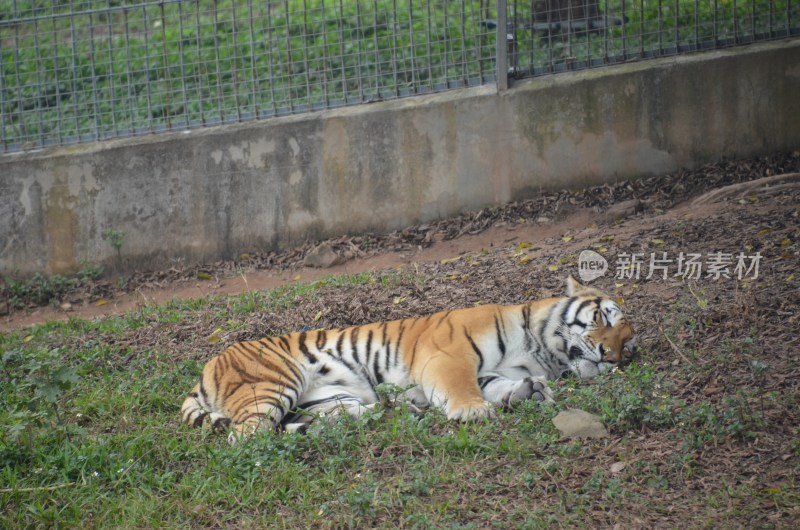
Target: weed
{"type": "Point", "coordinates": [116, 239]}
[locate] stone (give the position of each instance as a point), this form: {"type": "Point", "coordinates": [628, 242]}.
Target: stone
{"type": "Point", "coordinates": [323, 256]}
{"type": "Point", "coordinates": [576, 423]}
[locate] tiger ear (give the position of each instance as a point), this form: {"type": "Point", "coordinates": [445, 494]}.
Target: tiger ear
{"type": "Point", "coordinates": [574, 286]}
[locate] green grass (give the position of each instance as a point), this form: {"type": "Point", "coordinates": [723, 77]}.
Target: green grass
{"type": "Point", "coordinates": [90, 437]}
{"type": "Point", "coordinates": [105, 71]}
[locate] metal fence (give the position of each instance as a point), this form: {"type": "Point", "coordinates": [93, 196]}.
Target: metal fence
{"type": "Point", "coordinates": [83, 70]}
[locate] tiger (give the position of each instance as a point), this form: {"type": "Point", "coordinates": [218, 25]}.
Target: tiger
{"type": "Point", "coordinates": [465, 362]}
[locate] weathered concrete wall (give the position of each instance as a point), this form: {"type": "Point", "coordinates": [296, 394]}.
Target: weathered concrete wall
{"type": "Point", "coordinates": [214, 193]}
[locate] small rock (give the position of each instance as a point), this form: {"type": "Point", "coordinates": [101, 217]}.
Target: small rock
{"type": "Point", "coordinates": [576, 423]}
{"type": "Point", "coordinates": [323, 257]}
{"type": "Point", "coordinates": [622, 210]}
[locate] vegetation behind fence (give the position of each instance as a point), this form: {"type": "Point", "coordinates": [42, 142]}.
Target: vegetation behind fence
{"type": "Point", "coordinates": [82, 70]}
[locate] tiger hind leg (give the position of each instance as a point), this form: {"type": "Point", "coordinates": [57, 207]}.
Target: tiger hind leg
{"type": "Point", "coordinates": [508, 392]}
{"type": "Point", "coordinates": [261, 407]}
{"type": "Point", "coordinates": [328, 409]}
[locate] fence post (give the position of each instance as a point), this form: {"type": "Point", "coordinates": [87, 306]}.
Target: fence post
{"type": "Point", "coordinates": [502, 46]}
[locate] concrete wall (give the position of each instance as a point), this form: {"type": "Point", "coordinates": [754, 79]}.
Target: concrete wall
{"type": "Point", "coordinates": [209, 194]}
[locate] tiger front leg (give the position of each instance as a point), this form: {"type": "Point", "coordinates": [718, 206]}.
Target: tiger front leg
{"type": "Point", "coordinates": [452, 385]}
{"type": "Point", "coordinates": [507, 392]}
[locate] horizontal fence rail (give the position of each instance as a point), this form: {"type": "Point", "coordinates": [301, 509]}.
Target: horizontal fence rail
{"type": "Point", "coordinates": [83, 70]}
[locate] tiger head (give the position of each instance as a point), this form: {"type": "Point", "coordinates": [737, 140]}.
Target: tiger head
{"type": "Point", "coordinates": [599, 336]}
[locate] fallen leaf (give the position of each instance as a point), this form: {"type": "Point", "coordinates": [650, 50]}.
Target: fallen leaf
{"type": "Point", "coordinates": [214, 338]}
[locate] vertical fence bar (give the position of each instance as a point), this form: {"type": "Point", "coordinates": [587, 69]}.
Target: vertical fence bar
{"type": "Point", "coordinates": [111, 73]}
{"type": "Point", "coordinates": [56, 74]}
{"type": "Point", "coordinates": [342, 54]}
{"type": "Point", "coordinates": [412, 50]}
{"type": "Point", "coordinates": [39, 98]}
{"type": "Point", "coordinates": [235, 68]}
{"type": "Point", "coordinates": [501, 50]}
{"type": "Point", "coordinates": [395, 67]}
{"type": "Point", "coordinates": [377, 49]}
{"type": "Point", "coordinates": [289, 70]}
{"type": "Point", "coordinates": [256, 93]}
{"type": "Point", "coordinates": [464, 64]}
{"type": "Point", "coordinates": [271, 68]}
{"type": "Point", "coordinates": [217, 64]}
{"type": "Point", "coordinates": [131, 107]}
{"type": "Point", "coordinates": [201, 67]}
{"type": "Point", "coordinates": [95, 103]}
{"type": "Point", "coordinates": [20, 102]}
{"type": "Point", "coordinates": [3, 131]}
{"type": "Point", "coordinates": [326, 98]}
{"type": "Point", "coordinates": [307, 69]}
{"type": "Point", "coordinates": [148, 85]}
{"type": "Point", "coordinates": [74, 38]}
{"type": "Point", "coordinates": [167, 111]}
{"type": "Point", "coordinates": [359, 54]}
{"type": "Point", "coordinates": [182, 64]}
{"type": "Point", "coordinates": [430, 46]}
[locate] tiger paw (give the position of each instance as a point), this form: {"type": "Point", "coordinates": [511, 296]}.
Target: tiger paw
{"type": "Point", "coordinates": [530, 388]}
{"type": "Point", "coordinates": [475, 409]}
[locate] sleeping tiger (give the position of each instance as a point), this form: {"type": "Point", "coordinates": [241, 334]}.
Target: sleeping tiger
{"type": "Point", "coordinates": [464, 362]}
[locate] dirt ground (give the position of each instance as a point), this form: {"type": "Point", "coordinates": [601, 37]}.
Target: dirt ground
{"type": "Point", "coordinates": [726, 340]}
